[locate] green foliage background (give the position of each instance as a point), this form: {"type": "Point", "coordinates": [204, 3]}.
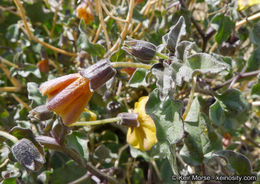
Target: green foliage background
{"type": "Point", "coordinates": [203, 88]}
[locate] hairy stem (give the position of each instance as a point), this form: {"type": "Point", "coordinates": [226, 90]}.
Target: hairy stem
{"type": "Point", "coordinates": [190, 98]}
{"type": "Point", "coordinates": [8, 136]}
{"type": "Point", "coordinates": [98, 122]}
{"type": "Point", "coordinates": [51, 143]}
{"type": "Point", "coordinates": [161, 55]}
{"type": "Point", "coordinates": [128, 64]}
{"type": "Point", "coordinates": [243, 75]}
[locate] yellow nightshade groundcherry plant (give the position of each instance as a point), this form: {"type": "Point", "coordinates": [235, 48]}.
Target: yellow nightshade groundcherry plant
{"type": "Point", "coordinates": [68, 96]}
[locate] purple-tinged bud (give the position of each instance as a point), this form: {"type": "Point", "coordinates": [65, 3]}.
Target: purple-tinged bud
{"type": "Point", "coordinates": [98, 74]}
{"type": "Point", "coordinates": [129, 119]}
{"type": "Point", "coordinates": [27, 154]}
{"type": "Point", "coordinates": [40, 113]}
{"type": "Point", "coordinates": [142, 50]}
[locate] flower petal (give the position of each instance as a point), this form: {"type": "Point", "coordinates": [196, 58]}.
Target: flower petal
{"type": "Point", "coordinates": [69, 94]}
{"type": "Point", "coordinates": [144, 136]}
{"type": "Point", "coordinates": [74, 109]}
{"type": "Point", "coordinates": [58, 83]}
{"type": "Point", "coordinates": [140, 105]}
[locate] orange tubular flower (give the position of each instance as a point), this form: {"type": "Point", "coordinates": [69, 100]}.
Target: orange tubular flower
{"type": "Point", "coordinates": [67, 96]}
{"type": "Point", "coordinates": [142, 137]}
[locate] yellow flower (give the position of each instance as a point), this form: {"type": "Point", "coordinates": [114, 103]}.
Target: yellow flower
{"type": "Point", "coordinates": [67, 96]}
{"type": "Point", "coordinates": [244, 4]}
{"type": "Point", "coordinates": [144, 136]}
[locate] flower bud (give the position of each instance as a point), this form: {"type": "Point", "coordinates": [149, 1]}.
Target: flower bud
{"type": "Point", "coordinates": [98, 74]}
{"type": "Point", "coordinates": [142, 50]}
{"type": "Point", "coordinates": [129, 119]}
{"type": "Point", "coordinates": [40, 113]}
{"type": "Point", "coordinates": [26, 153]}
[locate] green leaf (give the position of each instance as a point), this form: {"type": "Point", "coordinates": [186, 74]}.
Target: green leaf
{"type": "Point", "coordinates": [201, 138]}
{"type": "Point", "coordinates": [135, 153]}
{"type": "Point", "coordinates": [29, 69]}
{"type": "Point", "coordinates": [164, 75]}
{"type": "Point", "coordinates": [138, 78]}
{"type": "Point", "coordinates": [183, 49]}
{"type": "Point", "coordinates": [231, 110]}
{"type": "Point", "coordinates": [193, 114]}
{"type": "Point", "coordinates": [34, 94]}
{"type": "Point", "coordinates": [103, 153]}
{"type": "Point", "coordinates": [255, 92]}
{"type": "Point", "coordinates": [217, 113]}
{"type": "Point", "coordinates": [35, 12]}
{"type": "Point", "coordinates": [9, 181]}
{"type": "Point", "coordinates": [44, 177]}
{"type": "Point", "coordinates": [166, 115]}
{"type": "Point", "coordinates": [83, 43]}
{"type": "Point", "coordinates": [13, 33]}
{"type": "Point", "coordinates": [67, 173]}
{"type": "Point", "coordinates": [205, 63]}
{"type": "Point", "coordinates": [169, 125]}
{"type": "Point", "coordinates": [176, 33]}
{"type": "Point", "coordinates": [254, 61]}
{"type": "Point", "coordinates": [166, 172]}
{"type": "Point", "coordinates": [26, 133]}
{"type": "Point", "coordinates": [255, 34]}
{"type": "Point", "coordinates": [237, 161]}
{"type": "Point", "coordinates": [224, 26]}
{"type": "Point", "coordinates": [198, 63]}
{"type": "Point", "coordinates": [79, 142]}
{"type": "Point", "coordinates": [118, 55]}
{"type": "Point", "coordinates": [4, 114]}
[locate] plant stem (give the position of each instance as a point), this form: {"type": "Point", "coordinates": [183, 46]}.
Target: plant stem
{"type": "Point", "coordinates": [128, 64]}
{"type": "Point", "coordinates": [190, 98]}
{"type": "Point", "coordinates": [125, 29]}
{"type": "Point", "coordinates": [102, 22]}
{"type": "Point", "coordinates": [243, 75]}
{"type": "Point", "coordinates": [13, 80]}
{"type": "Point", "coordinates": [19, 100]}
{"type": "Point", "coordinates": [32, 37]}
{"type": "Point", "coordinates": [5, 61]}
{"type": "Point", "coordinates": [244, 21]}
{"type": "Point", "coordinates": [98, 122]}
{"type": "Point", "coordinates": [8, 136]}
{"type": "Point", "coordinates": [161, 55]}
{"type": "Point", "coordinates": [51, 143]}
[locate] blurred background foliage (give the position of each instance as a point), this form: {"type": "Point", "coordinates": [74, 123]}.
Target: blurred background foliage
{"type": "Point", "coordinates": [219, 134]}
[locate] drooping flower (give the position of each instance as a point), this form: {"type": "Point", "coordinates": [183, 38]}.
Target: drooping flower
{"type": "Point", "coordinates": [67, 96]}
{"type": "Point", "coordinates": [142, 137]}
